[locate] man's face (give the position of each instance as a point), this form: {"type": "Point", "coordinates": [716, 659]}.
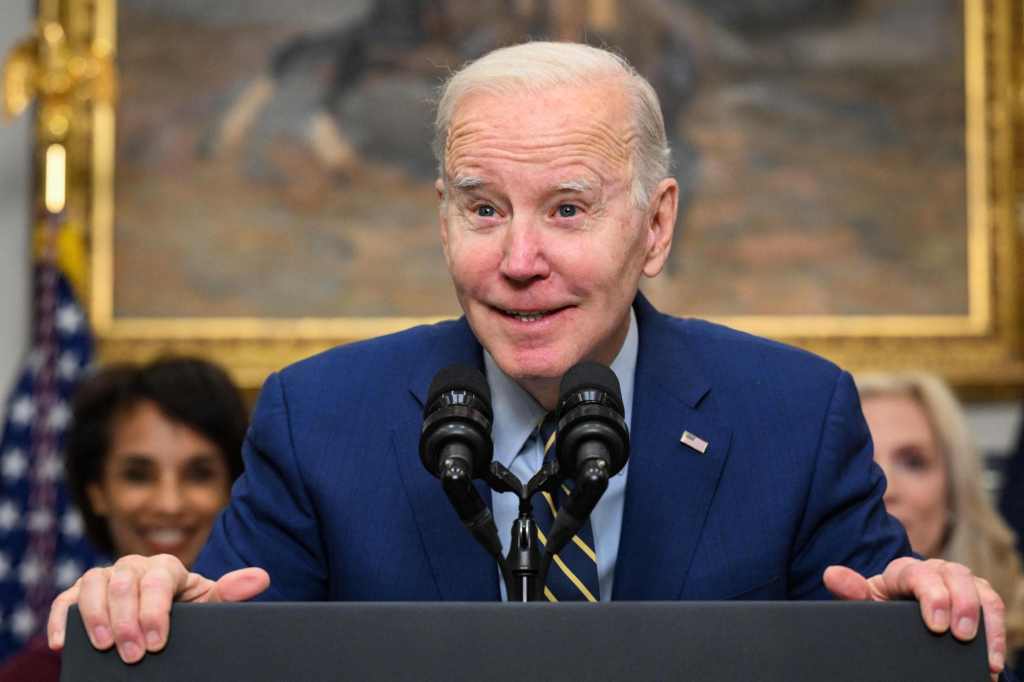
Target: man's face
{"type": "Point", "coordinates": [543, 242]}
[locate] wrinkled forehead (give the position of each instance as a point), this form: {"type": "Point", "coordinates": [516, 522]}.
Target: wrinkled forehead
{"type": "Point", "coordinates": [592, 125]}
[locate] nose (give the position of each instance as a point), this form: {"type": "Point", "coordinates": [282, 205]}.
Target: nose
{"type": "Point", "coordinates": [523, 252]}
{"type": "Point", "coordinates": [168, 498]}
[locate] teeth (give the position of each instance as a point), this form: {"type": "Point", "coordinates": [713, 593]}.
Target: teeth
{"type": "Point", "coordinates": [168, 536]}
{"type": "Point", "coordinates": [525, 317]}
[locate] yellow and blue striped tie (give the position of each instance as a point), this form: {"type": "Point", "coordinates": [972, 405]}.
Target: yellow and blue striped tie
{"type": "Point", "coordinates": [573, 573]}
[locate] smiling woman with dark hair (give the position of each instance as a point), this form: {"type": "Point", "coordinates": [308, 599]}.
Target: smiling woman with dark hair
{"type": "Point", "coordinates": [152, 453]}
{"type": "Point", "coordinates": [150, 458]}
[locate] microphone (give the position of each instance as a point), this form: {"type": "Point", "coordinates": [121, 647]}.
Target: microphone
{"type": "Point", "coordinates": [456, 446]}
{"type": "Point", "coordinates": [457, 422]}
{"type": "Point", "coordinates": [591, 426]}
{"type": "Point", "coordinates": [593, 443]}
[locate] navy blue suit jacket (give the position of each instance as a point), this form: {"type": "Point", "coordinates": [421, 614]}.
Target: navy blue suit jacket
{"type": "Point", "coordinates": [335, 504]}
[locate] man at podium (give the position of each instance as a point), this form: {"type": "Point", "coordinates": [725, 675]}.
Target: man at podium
{"type": "Point", "coordinates": [751, 474]}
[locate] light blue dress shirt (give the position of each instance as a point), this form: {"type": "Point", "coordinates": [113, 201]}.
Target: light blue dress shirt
{"type": "Point", "coordinates": [516, 414]}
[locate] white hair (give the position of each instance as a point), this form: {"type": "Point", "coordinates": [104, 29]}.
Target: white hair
{"type": "Point", "coordinates": [538, 66]}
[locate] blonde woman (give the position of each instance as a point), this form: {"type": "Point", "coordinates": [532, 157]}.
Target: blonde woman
{"type": "Point", "coordinates": [935, 485]}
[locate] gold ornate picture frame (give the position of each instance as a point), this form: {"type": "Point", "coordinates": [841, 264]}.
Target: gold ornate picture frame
{"type": "Point", "coordinates": [981, 349]}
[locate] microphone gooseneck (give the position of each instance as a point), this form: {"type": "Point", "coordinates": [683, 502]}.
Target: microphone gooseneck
{"type": "Point", "coordinates": [592, 445]}
{"type": "Point", "coordinates": [456, 446]}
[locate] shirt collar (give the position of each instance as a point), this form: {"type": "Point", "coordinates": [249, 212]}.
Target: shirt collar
{"type": "Point", "coordinates": [517, 413]}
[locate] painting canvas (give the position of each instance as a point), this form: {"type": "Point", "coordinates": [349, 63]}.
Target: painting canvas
{"type": "Point", "coordinates": [273, 159]}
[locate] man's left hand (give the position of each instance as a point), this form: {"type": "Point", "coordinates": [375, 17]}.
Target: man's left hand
{"type": "Point", "coordinates": [949, 595]}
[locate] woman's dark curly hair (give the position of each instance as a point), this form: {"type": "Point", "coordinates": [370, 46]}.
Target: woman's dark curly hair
{"type": "Point", "coordinates": [193, 392]}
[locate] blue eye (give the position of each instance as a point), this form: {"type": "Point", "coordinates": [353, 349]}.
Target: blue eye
{"type": "Point", "coordinates": [485, 211]}
{"type": "Point", "coordinates": [567, 211]}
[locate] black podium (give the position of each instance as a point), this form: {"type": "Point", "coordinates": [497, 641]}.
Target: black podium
{"type": "Point", "coordinates": [625, 641]}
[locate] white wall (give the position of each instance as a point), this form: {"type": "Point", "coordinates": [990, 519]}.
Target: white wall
{"type": "Point", "coordinates": [14, 213]}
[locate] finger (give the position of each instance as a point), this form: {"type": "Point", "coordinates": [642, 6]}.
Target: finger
{"type": "Point", "coordinates": [239, 585]}
{"type": "Point", "coordinates": [156, 593]}
{"type": "Point", "coordinates": [994, 613]}
{"type": "Point", "coordinates": [922, 580]}
{"type": "Point", "coordinates": [964, 602]}
{"type": "Point", "coordinates": [57, 623]}
{"type": "Point", "coordinates": [893, 578]}
{"type": "Point", "coordinates": [92, 605]}
{"type": "Point", "coordinates": [846, 583]}
{"type": "Point", "coordinates": [123, 604]}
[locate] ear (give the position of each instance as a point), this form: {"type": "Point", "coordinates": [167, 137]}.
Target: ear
{"type": "Point", "coordinates": [660, 225]}
{"type": "Point", "coordinates": [97, 499]}
{"type": "Point", "coordinates": [442, 214]}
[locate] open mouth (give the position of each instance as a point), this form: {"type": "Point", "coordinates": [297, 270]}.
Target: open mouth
{"type": "Point", "coordinates": [530, 315]}
{"type": "Point", "coordinates": [166, 537]}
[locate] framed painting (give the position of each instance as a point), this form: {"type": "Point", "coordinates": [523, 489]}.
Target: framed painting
{"type": "Point", "coordinates": [261, 188]}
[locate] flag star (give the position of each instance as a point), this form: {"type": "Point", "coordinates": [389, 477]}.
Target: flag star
{"type": "Point", "coordinates": [22, 410]}
{"type": "Point", "coordinates": [51, 468]}
{"type": "Point", "coordinates": [39, 520]}
{"type": "Point", "coordinates": [13, 464]}
{"type": "Point", "coordinates": [23, 622]}
{"type": "Point", "coordinates": [9, 515]}
{"type": "Point", "coordinates": [31, 571]}
{"type": "Point", "coordinates": [68, 366]}
{"type": "Point", "coordinates": [59, 416]}
{"type": "Point", "coordinates": [68, 571]}
{"type": "Point", "coordinates": [5, 566]}
{"type": "Point", "coordinates": [69, 318]}
{"type": "Point", "coordinates": [71, 524]}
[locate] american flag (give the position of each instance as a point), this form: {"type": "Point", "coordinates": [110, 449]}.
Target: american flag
{"type": "Point", "coordinates": [43, 548]}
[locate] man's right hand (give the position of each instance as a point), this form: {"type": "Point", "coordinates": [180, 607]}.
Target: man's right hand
{"type": "Point", "coordinates": [128, 604]}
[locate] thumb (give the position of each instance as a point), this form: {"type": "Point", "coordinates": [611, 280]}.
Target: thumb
{"type": "Point", "coordinates": [846, 583]}
{"type": "Point", "coordinates": [239, 585]}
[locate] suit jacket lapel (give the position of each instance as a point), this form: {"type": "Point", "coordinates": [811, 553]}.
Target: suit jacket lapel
{"type": "Point", "coordinates": [462, 569]}
{"type": "Point", "coordinates": [670, 485]}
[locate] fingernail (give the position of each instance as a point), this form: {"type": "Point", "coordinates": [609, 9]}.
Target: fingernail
{"type": "Point", "coordinates": [153, 639]}
{"type": "Point", "coordinates": [998, 661]}
{"type": "Point", "coordinates": [56, 638]}
{"type": "Point", "coordinates": [966, 627]}
{"type": "Point", "coordinates": [101, 636]}
{"type": "Point", "coordinates": [130, 652]}
{"type": "Point", "coordinates": [940, 619]}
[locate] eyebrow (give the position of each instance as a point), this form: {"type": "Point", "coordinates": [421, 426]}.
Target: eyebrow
{"type": "Point", "coordinates": [573, 186]}
{"type": "Point", "coordinates": [135, 459]}
{"type": "Point", "coordinates": [468, 182]}
{"type": "Point", "coordinates": [132, 459]}
{"type": "Point", "coordinates": [464, 182]}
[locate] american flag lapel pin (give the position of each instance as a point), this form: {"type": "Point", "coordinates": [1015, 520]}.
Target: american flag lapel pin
{"type": "Point", "coordinates": [695, 442]}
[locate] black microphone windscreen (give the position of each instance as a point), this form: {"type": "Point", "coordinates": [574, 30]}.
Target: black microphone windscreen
{"type": "Point", "coordinates": [459, 378]}
{"type": "Point", "coordinates": [589, 375]}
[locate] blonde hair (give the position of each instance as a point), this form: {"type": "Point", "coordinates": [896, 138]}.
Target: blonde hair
{"type": "Point", "coordinates": [978, 536]}
{"type": "Point", "coordinates": [540, 66]}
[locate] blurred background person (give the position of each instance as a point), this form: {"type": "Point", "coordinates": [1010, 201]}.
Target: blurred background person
{"type": "Point", "coordinates": [151, 455]}
{"type": "Point", "coordinates": [1011, 502]}
{"type": "Point", "coordinates": [935, 488]}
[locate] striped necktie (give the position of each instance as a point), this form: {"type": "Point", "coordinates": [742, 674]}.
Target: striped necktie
{"type": "Point", "coordinates": [573, 573]}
